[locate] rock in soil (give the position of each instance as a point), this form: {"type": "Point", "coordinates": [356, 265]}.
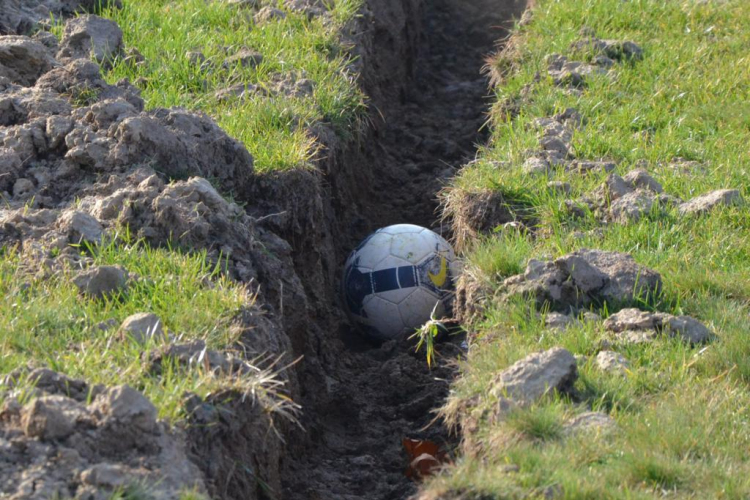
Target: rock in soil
{"type": "Point", "coordinates": [23, 60]}
{"type": "Point", "coordinates": [592, 421]}
{"type": "Point", "coordinates": [91, 36]}
{"type": "Point", "coordinates": [102, 281]}
{"type": "Point", "coordinates": [558, 321]}
{"type": "Point", "coordinates": [611, 361]}
{"type": "Point", "coordinates": [707, 202]}
{"type": "Point", "coordinates": [633, 325]}
{"type": "Point", "coordinates": [585, 277]}
{"type": "Point", "coordinates": [143, 327]}
{"type": "Point", "coordinates": [532, 377]}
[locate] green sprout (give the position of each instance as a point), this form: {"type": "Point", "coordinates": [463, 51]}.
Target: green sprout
{"type": "Point", "coordinates": [427, 334]}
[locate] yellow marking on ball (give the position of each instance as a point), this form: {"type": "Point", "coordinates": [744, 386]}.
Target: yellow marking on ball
{"type": "Point", "coordinates": [439, 279]}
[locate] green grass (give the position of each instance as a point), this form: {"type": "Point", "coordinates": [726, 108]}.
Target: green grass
{"type": "Point", "coordinates": [45, 322]}
{"type": "Point", "coordinates": [273, 128]}
{"type": "Point", "coordinates": [682, 424]}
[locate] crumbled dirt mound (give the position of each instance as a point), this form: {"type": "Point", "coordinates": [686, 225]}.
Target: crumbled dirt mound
{"type": "Point", "coordinates": [21, 17]}
{"type": "Point", "coordinates": [58, 446]}
{"type": "Point", "coordinates": [585, 277]}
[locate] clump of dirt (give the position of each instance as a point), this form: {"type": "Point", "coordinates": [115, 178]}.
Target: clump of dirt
{"type": "Point", "coordinates": [60, 446]}
{"type": "Point", "coordinates": [21, 17]}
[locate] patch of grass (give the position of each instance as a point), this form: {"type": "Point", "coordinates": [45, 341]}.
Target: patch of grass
{"type": "Point", "coordinates": [274, 127]}
{"type": "Point", "coordinates": [680, 411]}
{"type": "Point", "coordinates": [45, 322]}
{"type": "Point", "coordinates": [540, 423]}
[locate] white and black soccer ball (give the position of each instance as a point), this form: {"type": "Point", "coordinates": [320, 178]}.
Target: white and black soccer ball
{"type": "Point", "coordinates": [395, 279]}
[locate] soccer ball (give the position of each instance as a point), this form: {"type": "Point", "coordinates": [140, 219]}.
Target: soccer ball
{"type": "Point", "coordinates": [395, 279]}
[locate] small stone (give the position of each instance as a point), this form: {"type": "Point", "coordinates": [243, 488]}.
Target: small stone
{"type": "Point", "coordinates": [57, 127]}
{"type": "Point", "coordinates": [50, 417]}
{"type": "Point", "coordinates": [105, 475]}
{"type": "Point", "coordinates": [52, 382]}
{"type": "Point", "coordinates": [616, 187]}
{"type": "Point", "coordinates": [581, 278]}
{"type": "Point", "coordinates": [554, 144]}
{"type": "Point", "coordinates": [558, 321]}
{"type": "Point", "coordinates": [689, 329]}
{"type": "Point", "coordinates": [240, 91]}
{"type": "Point", "coordinates": [585, 167]}
{"type": "Point", "coordinates": [622, 50]}
{"type": "Point", "coordinates": [143, 327]}
{"type": "Point", "coordinates": [586, 277]}
{"type": "Point", "coordinates": [102, 281]}
{"type": "Point", "coordinates": [536, 165]}
{"type": "Point", "coordinates": [637, 326]}
{"type": "Point", "coordinates": [557, 129]}
{"type": "Point", "coordinates": [602, 61]}
{"type": "Point", "coordinates": [633, 319]}
{"type": "Point", "coordinates": [589, 421]}
{"type": "Point", "coordinates": [268, 13]}
{"type": "Point", "coordinates": [89, 35]}
{"type": "Point", "coordinates": [23, 60]}
{"type": "Point", "coordinates": [127, 406]}
{"type": "Point", "coordinates": [632, 207]}
{"type": "Point", "coordinates": [611, 361]}
{"type": "Point", "coordinates": [534, 376]}
{"type": "Point", "coordinates": [246, 58]}
{"type": "Point", "coordinates": [707, 202]}
{"type": "Point", "coordinates": [22, 188]}
{"type": "Point", "coordinates": [632, 337]}
{"type": "Point", "coordinates": [81, 227]}
{"type": "Point", "coordinates": [641, 179]}
{"type": "Point", "coordinates": [559, 186]}
{"type": "Point", "coordinates": [591, 317]}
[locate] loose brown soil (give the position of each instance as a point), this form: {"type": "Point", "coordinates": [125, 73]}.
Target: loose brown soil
{"type": "Point", "coordinates": [422, 69]}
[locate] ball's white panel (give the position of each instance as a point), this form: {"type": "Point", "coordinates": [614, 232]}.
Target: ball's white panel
{"type": "Point", "coordinates": [412, 247]}
{"type": "Point", "coordinates": [441, 244]}
{"type": "Point", "coordinates": [373, 251]}
{"type": "Point", "coordinates": [390, 261]}
{"type": "Point", "coordinates": [397, 296]}
{"type": "Point", "coordinates": [401, 228]}
{"type": "Point", "coordinates": [417, 307]}
{"type": "Point", "coordinates": [385, 317]}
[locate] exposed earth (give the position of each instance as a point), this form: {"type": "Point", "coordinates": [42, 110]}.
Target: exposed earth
{"type": "Point", "coordinates": [78, 159]}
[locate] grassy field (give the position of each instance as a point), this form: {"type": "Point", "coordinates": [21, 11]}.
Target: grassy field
{"type": "Point", "coordinates": [272, 125]}
{"type": "Point", "coordinates": [681, 412]}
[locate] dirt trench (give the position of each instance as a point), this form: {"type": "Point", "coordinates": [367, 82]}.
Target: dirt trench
{"type": "Point", "coordinates": [421, 67]}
